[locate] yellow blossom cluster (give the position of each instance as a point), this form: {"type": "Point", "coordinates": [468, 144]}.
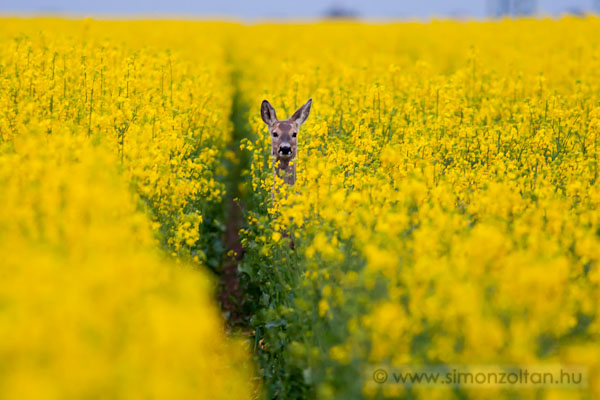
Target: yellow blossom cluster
{"type": "Point", "coordinates": [446, 207]}
{"type": "Point", "coordinates": [162, 104]}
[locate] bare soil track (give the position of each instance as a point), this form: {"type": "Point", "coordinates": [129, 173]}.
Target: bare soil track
{"type": "Point", "coordinates": [232, 296]}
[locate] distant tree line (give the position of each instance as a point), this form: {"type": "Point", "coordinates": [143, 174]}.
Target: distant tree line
{"type": "Point", "coordinates": [499, 8]}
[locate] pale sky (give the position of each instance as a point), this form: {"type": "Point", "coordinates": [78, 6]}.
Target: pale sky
{"type": "Point", "coordinates": [253, 9]}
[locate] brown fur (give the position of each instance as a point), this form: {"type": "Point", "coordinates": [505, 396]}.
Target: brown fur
{"type": "Point", "coordinates": [284, 145]}
{"type": "Point", "coordinates": [284, 141]}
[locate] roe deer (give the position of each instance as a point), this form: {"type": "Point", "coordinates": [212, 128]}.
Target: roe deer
{"type": "Point", "coordinates": [283, 139]}
{"type": "Point", "coordinates": [284, 144]}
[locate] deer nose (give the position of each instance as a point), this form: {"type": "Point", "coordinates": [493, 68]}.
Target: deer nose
{"type": "Point", "coordinates": [285, 149]}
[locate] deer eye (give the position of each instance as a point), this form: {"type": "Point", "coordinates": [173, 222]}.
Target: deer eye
{"type": "Point", "coordinates": [294, 134]}
{"type": "Point", "coordinates": [275, 134]}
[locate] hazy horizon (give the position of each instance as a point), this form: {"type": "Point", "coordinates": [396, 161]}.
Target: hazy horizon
{"type": "Point", "coordinates": [268, 9]}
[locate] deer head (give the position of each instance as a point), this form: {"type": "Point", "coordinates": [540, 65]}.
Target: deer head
{"type": "Point", "coordinates": [283, 133]}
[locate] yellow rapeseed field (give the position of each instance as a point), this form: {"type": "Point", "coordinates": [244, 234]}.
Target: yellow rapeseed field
{"type": "Point", "coordinates": [445, 212]}
{"type": "Point", "coordinates": [105, 139]}
{"type": "Point", "coordinates": [446, 208]}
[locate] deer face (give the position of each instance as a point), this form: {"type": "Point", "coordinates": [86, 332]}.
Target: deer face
{"type": "Point", "coordinates": [284, 133]}
{"type": "Point", "coordinates": [283, 139]}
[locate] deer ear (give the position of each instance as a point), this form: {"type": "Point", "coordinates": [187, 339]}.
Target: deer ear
{"type": "Point", "coordinates": [267, 112]}
{"type": "Point", "coordinates": [302, 113]}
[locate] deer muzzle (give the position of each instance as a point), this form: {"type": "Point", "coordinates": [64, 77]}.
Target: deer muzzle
{"type": "Point", "coordinates": [285, 150]}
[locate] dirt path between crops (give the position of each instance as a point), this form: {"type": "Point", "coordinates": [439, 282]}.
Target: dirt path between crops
{"type": "Point", "coordinates": [232, 294]}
